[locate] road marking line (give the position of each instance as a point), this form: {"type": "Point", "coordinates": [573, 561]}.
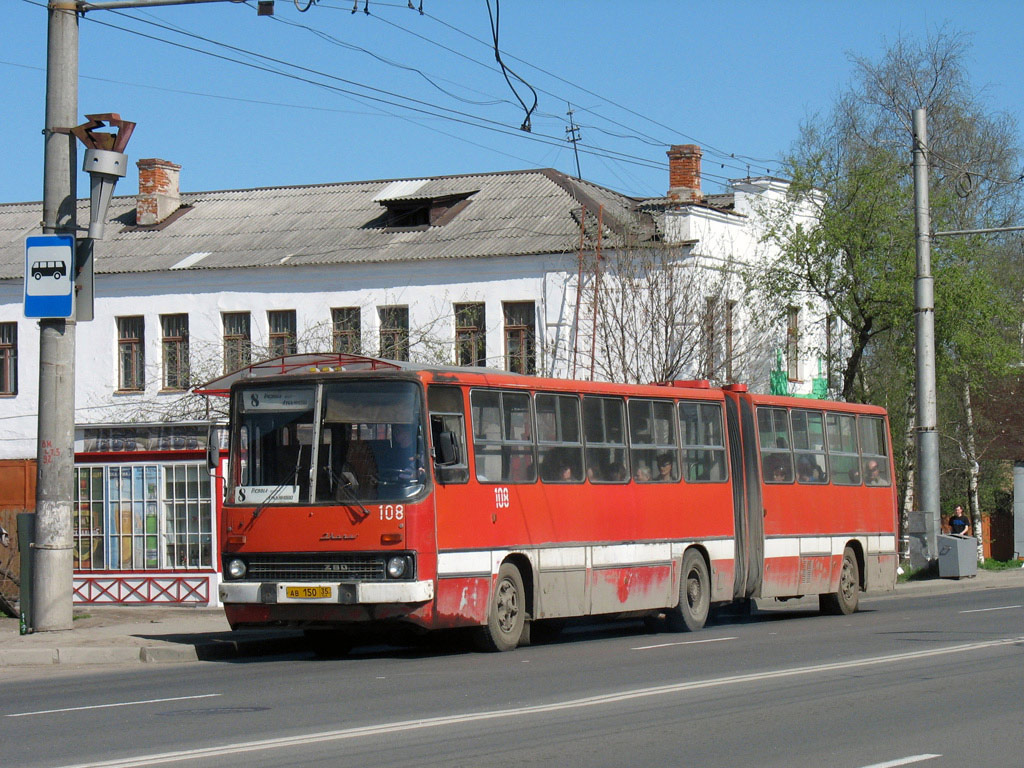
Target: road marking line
{"type": "Point", "coordinates": [903, 761]}
{"type": "Point", "coordinates": [390, 729]}
{"type": "Point", "coordinates": [118, 704]}
{"type": "Point", "coordinates": [1000, 608]}
{"type": "Point", "coordinates": [682, 642]}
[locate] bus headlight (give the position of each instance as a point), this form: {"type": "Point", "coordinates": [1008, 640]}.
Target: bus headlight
{"type": "Point", "coordinates": [235, 568]}
{"type": "Point", "coordinates": [398, 567]}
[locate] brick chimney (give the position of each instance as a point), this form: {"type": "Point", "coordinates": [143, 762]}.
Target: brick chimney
{"type": "Point", "coordinates": [159, 195]}
{"type": "Point", "coordinates": [684, 173]}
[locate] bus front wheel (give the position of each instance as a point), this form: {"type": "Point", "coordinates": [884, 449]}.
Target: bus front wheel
{"type": "Point", "coordinates": [694, 595]}
{"type": "Point", "coordinates": [844, 602]}
{"type": "Point", "coordinates": [507, 615]}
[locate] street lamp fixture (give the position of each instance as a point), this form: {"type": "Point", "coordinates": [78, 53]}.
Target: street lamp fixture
{"type": "Point", "coordinates": [105, 162]}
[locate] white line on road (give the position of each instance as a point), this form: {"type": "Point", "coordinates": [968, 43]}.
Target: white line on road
{"type": "Point", "coordinates": [392, 728]}
{"type": "Point", "coordinates": [682, 642]}
{"type": "Point", "coordinates": [1000, 608]}
{"type": "Point", "coordinates": [903, 761]}
{"type": "Point", "coordinates": [117, 704]}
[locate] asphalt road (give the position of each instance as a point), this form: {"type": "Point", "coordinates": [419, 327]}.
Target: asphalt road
{"type": "Point", "coordinates": [929, 680]}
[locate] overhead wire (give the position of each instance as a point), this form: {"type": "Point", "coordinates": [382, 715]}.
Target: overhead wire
{"type": "Point", "coordinates": [415, 105]}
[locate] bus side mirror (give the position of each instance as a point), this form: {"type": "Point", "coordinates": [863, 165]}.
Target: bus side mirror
{"type": "Point", "coordinates": [212, 456]}
{"type": "Point", "coordinates": [447, 449]}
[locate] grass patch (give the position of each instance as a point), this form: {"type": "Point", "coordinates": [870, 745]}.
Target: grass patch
{"type": "Point", "coordinates": [999, 565]}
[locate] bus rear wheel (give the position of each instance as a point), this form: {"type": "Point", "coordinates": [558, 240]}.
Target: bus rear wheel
{"type": "Point", "coordinates": [694, 595]}
{"type": "Point", "coordinates": [844, 602]}
{"type": "Point", "coordinates": [507, 615]}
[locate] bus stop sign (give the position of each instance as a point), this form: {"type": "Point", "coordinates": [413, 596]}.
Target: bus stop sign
{"type": "Point", "coordinates": [50, 276]}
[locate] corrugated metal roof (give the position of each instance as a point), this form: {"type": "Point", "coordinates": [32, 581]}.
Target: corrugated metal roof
{"type": "Point", "coordinates": [508, 214]}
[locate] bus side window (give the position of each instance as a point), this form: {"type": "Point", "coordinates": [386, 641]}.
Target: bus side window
{"type": "Point", "coordinates": [503, 436]}
{"type": "Point", "coordinates": [652, 441]}
{"type": "Point", "coordinates": [843, 456]}
{"type": "Point", "coordinates": [558, 438]}
{"type": "Point", "coordinates": [809, 445]}
{"type": "Point", "coordinates": [700, 425]}
{"type": "Point", "coordinates": [873, 450]}
{"type": "Point", "coordinates": [604, 428]}
{"type": "Point", "coordinates": [773, 435]}
{"type": "Point", "coordinates": [448, 414]}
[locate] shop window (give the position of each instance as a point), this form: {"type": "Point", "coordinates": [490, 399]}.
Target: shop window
{"type": "Point", "coordinates": [141, 517]}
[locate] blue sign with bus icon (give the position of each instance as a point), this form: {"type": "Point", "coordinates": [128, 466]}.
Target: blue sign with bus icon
{"type": "Point", "coordinates": [49, 276]}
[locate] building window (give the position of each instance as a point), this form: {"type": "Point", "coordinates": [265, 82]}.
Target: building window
{"type": "Point", "coordinates": [470, 338]}
{"type": "Point", "coordinates": [175, 351]}
{"type": "Point", "coordinates": [394, 333]}
{"type": "Point", "coordinates": [793, 343]}
{"type": "Point", "coordinates": [237, 341]}
{"type": "Point", "coordinates": [142, 517]}
{"type": "Point", "coordinates": [730, 341]}
{"type": "Point", "coordinates": [8, 358]}
{"type": "Point", "coordinates": [347, 330]}
{"type": "Point", "coordinates": [711, 341]}
{"type": "Point", "coordinates": [130, 357]}
{"type": "Point", "coordinates": [282, 332]}
{"type": "Point", "coordinates": [520, 337]}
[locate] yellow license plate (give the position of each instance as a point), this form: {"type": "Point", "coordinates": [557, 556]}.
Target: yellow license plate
{"type": "Point", "coordinates": [309, 593]}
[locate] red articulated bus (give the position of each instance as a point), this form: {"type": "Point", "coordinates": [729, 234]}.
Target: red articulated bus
{"type": "Point", "coordinates": [365, 492]}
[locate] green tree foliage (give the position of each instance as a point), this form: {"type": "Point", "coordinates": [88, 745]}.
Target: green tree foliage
{"type": "Point", "coordinates": [855, 257]}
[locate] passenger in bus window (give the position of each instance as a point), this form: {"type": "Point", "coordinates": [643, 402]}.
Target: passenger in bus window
{"type": "Point", "coordinates": [642, 474]}
{"type": "Point", "coordinates": [666, 468]}
{"type": "Point", "coordinates": [873, 473]}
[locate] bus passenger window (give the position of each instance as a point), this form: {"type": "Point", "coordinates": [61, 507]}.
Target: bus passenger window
{"type": "Point", "coordinates": [809, 446]}
{"type": "Point", "coordinates": [604, 428]}
{"type": "Point", "coordinates": [558, 438]}
{"type": "Point", "coordinates": [700, 425]}
{"type": "Point", "coordinates": [843, 456]}
{"type": "Point", "coordinates": [773, 435]}
{"type": "Point", "coordinates": [652, 441]}
{"type": "Point", "coordinates": [503, 436]}
{"type": "Point", "coordinates": [873, 450]}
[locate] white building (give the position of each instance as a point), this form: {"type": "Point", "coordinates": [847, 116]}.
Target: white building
{"type": "Point", "coordinates": [502, 269]}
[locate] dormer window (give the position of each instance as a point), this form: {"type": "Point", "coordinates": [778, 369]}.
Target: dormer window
{"type": "Point", "coordinates": [419, 205]}
{"type": "Point", "coordinates": [423, 212]}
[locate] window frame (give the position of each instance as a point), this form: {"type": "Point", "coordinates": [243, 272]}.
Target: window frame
{"type": "Point", "coordinates": [174, 343]}
{"type": "Point", "coordinates": [281, 332]}
{"type": "Point", "coordinates": [131, 353]}
{"type": "Point", "coordinates": [237, 340]}
{"type": "Point", "coordinates": [8, 359]}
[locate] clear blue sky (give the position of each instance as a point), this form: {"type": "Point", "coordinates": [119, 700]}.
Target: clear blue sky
{"type": "Point", "coordinates": [737, 78]}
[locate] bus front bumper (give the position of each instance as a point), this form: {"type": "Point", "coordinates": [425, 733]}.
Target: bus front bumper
{"type": "Point", "coordinates": [343, 593]}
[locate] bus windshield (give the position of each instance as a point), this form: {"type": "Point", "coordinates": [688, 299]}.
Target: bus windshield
{"type": "Point", "coordinates": [367, 443]}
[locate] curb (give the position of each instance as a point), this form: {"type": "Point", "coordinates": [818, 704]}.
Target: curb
{"type": "Point", "coordinates": [151, 654]}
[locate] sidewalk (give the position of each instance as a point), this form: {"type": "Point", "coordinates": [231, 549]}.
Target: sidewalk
{"type": "Point", "coordinates": [146, 633]}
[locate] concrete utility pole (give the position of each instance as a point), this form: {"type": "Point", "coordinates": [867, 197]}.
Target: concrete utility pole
{"type": "Point", "coordinates": [53, 561]}
{"type": "Point", "coordinates": [924, 522]}
{"type": "Point", "coordinates": [55, 450]}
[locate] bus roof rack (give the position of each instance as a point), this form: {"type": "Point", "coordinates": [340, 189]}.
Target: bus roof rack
{"type": "Point", "coordinates": [314, 363]}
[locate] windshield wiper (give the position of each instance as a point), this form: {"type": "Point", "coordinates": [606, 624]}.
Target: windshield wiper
{"type": "Point", "coordinates": [343, 484]}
